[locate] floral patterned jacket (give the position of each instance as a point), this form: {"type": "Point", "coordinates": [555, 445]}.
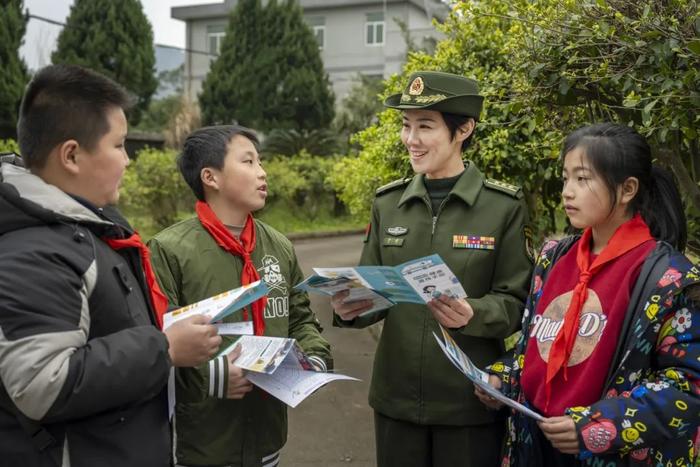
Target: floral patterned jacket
{"type": "Point", "coordinates": [649, 412]}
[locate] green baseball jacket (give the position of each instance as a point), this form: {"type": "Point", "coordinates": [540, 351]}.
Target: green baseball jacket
{"type": "Point", "coordinates": [413, 380]}
{"type": "Point", "coordinates": [208, 428]}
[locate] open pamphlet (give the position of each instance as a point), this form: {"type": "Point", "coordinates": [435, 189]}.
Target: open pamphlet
{"type": "Point", "coordinates": [220, 306]}
{"type": "Point", "coordinates": [475, 375]}
{"type": "Point", "coordinates": [415, 281]}
{"type": "Point", "coordinates": [280, 367]}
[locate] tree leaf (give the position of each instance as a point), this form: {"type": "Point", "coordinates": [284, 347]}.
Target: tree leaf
{"type": "Point", "coordinates": [694, 46]}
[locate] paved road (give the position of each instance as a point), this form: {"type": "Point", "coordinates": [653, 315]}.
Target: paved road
{"type": "Point", "coordinates": [334, 427]}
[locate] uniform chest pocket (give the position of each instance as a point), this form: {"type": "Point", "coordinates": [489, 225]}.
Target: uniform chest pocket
{"type": "Point", "coordinates": [474, 268]}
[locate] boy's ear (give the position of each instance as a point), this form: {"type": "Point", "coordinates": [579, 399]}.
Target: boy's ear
{"type": "Point", "coordinates": [209, 178]}
{"type": "Point", "coordinates": [67, 154]}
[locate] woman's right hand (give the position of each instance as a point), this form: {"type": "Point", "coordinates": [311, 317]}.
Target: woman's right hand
{"type": "Point", "coordinates": [349, 310]}
{"type": "Point", "coordinates": [487, 400]}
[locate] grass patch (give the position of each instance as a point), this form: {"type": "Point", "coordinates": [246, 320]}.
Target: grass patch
{"type": "Point", "coordinates": [289, 220]}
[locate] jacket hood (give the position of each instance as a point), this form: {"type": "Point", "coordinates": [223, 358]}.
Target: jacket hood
{"type": "Point", "coordinates": [28, 201]}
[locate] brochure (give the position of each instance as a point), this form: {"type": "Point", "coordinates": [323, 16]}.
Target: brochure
{"type": "Point", "coordinates": [263, 354]}
{"type": "Point", "coordinates": [478, 377]}
{"type": "Point", "coordinates": [292, 385]}
{"type": "Point", "coordinates": [220, 306]}
{"type": "Point", "coordinates": [414, 281]}
{"type": "Point", "coordinates": [279, 366]}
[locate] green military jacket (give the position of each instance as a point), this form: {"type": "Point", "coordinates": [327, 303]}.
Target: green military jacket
{"type": "Point", "coordinates": [208, 428]}
{"type": "Point", "coordinates": [413, 380]}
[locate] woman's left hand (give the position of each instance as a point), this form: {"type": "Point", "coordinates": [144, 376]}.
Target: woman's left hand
{"type": "Point", "coordinates": [452, 313]}
{"type": "Point", "coordinates": [561, 432]}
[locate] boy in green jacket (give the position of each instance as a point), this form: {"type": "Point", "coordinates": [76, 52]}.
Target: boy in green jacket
{"type": "Point", "coordinates": [220, 418]}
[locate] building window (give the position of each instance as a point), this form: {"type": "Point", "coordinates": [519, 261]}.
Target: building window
{"type": "Point", "coordinates": [320, 33]}
{"type": "Point", "coordinates": [374, 29]}
{"type": "Point", "coordinates": [215, 36]}
{"type": "Point", "coordinates": [318, 26]}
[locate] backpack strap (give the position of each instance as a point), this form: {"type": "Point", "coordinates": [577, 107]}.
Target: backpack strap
{"type": "Point", "coordinates": [652, 269]}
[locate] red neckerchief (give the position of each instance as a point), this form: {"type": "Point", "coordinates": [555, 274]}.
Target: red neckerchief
{"type": "Point", "coordinates": [244, 248]}
{"type": "Point", "coordinates": [158, 298]}
{"type": "Point", "coordinates": [628, 236]}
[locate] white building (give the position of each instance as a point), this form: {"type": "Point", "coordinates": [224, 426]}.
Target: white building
{"type": "Point", "coordinates": [355, 36]}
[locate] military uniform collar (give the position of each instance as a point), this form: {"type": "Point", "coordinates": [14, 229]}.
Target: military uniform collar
{"type": "Point", "coordinates": [467, 187]}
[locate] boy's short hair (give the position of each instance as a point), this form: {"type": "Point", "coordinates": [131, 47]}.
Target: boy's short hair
{"type": "Point", "coordinates": [65, 102]}
{"type": "Point", "coordinates": [207, 147]}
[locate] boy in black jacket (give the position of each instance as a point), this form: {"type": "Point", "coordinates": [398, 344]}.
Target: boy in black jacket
{"type": "Point", "coordinates": [83, 364]}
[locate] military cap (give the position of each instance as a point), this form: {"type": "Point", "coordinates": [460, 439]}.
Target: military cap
{"type": "Point", "coordinates": [444, 92]}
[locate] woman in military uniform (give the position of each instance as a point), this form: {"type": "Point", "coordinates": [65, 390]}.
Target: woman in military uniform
{"type": "Point", "coordinates": [426, 413]}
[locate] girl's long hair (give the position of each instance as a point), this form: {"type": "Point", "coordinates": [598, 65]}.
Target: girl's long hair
{"type": "Point", "coordinates": [617, 152]}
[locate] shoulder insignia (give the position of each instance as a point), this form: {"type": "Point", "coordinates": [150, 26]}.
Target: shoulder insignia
{"type": "Point", "coordinates": [507, 188]}
{"type": "Point", "coordinates": [393, 185]}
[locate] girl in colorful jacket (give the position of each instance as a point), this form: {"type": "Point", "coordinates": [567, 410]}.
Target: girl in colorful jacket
{"type": "Point", "coordinates": [610, 344]}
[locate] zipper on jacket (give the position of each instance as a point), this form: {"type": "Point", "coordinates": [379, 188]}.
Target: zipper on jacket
{"type": "Point", "coordinates": [426, 200]}
{"type": "Point", "coordinates": [435, 217]}
{"type": "Point", "coordinates": [430, 209]}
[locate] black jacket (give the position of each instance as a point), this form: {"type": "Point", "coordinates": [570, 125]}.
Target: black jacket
{"type": "Point", "coordinates": [79, 354]}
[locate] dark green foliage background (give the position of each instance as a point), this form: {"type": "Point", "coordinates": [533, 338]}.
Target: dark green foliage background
{"type": "Point", "coordinates": [113, 37]}
{"type": "Point", "coordinates": [13, 75]}
{"type": "Point", "coordinates": [269, 74]}
{"type": "Point", "coordinates": [546, 68]}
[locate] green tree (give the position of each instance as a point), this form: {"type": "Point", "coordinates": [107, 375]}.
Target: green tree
{"type": "Point", "coordinates": [159, 114]}
{"type": "Point", "coordinates": [231, 90]}
{"type": "Point", "coordinates": [300, 96]}
{"type": "Point", "coordinates": [13, 72]}
{"type": "Point", "coordinates": [359, 108]}
{"type": "Point", "coordinates": [632, 62]}
{"type": "Point", "coordinates": [269, 74]}
{"type": "Point", "coordinates": [115, 38]}
{"type": "Point", "coordinates": [547, 67]}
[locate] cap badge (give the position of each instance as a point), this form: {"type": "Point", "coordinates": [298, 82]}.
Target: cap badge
{"type": "Point", "coordinates": [416, 87]}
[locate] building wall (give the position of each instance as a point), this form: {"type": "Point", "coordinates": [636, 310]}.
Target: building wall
{"type": "Point", "coordinates": [197, 65]}
{"type": "Point", "coordinates": [345, 53]}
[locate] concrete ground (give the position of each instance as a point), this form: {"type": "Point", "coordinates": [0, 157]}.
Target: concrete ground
{"type": "Point", "coordinates": [334, 427]}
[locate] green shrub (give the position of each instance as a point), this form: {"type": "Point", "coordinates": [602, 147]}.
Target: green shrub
{"type": "Point", "coordinates": [285, 142]}
{"type": "Point", "coordinates": [299, 182]}
{"type": "Point", "coordinates": [7, 145]}
{"type": "Point", "coordinates": [153, 190]}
